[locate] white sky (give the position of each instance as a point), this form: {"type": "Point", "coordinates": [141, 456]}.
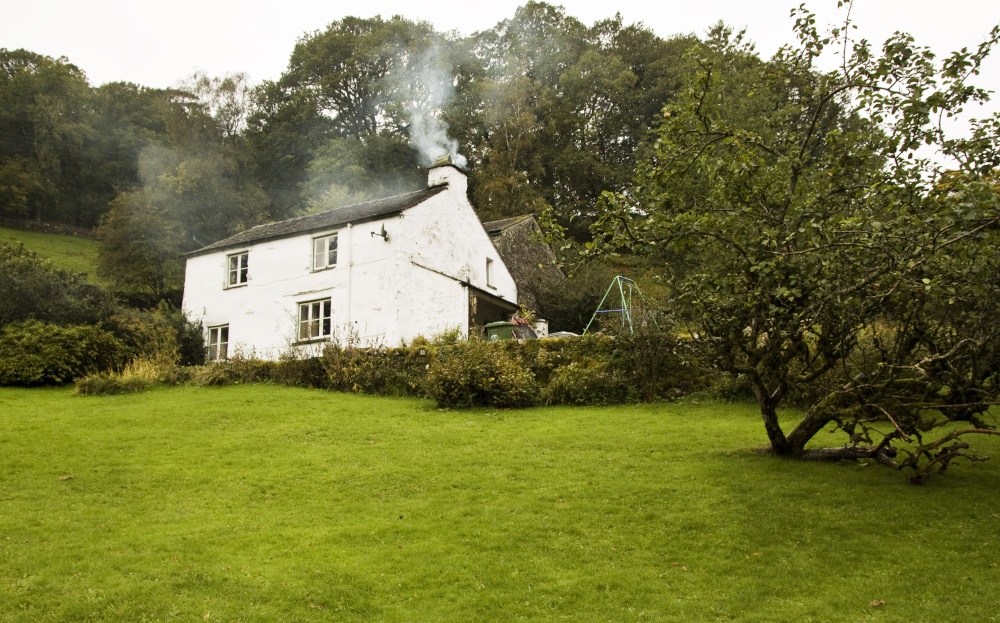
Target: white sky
{"type": "Point", "coordinates": [159, 44]}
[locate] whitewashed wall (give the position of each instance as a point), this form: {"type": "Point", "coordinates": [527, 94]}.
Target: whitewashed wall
{"type": "Point", "coordinates": [382, 293]}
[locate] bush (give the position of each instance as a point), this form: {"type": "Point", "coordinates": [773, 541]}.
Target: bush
{"type": "Point", "coordinates": [105, 384]}
{"type": "Point", "coordinates": [382, 371]}
{"type": "Point", "coordinates": [32, 288]}
{"type": "Point", "coordinates": [235, 371]}
{"type": "Point", "coordinates": [480, 374]}
{"type": "Point", "coordinates": [39, 353]}
{"type": "Point", "coordinates": [595, 369]}
{"type": "Point", "coordinates": [163, 334]}
{"type": "Point", "coordinates": [587, 382]}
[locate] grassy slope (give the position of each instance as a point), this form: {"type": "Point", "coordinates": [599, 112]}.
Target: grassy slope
{"type": "Point", "coordinates": [267, 503]}
{"type": "Point", "coordinates": [79, 254]}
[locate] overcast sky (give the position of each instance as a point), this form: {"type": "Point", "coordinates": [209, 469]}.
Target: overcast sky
{"type": "Point", "coordinates": [158, 44]}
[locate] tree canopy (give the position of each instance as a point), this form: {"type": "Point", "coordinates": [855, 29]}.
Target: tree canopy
{"type": "Point", "coordinates": [818, 248]}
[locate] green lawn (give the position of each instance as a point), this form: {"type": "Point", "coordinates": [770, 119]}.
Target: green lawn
{"type": "Point", "coordinates": [260, 503]}
{"type": "Point", "coordinates": [79, 254]}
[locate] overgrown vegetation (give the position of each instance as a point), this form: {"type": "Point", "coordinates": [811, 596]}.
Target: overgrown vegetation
{"type": "Point", "coordinates": [41, 353]}
{"type": "Point", "coordinates": [55, 327]}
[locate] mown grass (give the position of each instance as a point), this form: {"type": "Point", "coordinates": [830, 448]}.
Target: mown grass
{"type": "Point", "coordinates": [260, 503]}
{"type": "Point", "coordinates": [70, 252]}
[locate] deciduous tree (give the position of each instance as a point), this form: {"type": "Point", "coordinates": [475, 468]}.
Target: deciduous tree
{"type": "Point", "coordinates": [826, 256]}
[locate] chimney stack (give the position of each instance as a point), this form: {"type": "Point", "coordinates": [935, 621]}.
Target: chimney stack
{"type": "Point", "coordinates": [444, 172]}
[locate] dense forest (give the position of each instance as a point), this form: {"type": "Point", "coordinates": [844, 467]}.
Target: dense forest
{"type": "Point", "coordinates": [545, 113]}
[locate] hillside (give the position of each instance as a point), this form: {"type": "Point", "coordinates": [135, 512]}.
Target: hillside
{"type": "Point", "coordinates": [72, 252]}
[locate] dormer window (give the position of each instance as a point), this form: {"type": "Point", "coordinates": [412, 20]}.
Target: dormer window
{"type": "Point", "coordinates": [325, 252]}
{"type": "Point", "coordinates": [238, 269]}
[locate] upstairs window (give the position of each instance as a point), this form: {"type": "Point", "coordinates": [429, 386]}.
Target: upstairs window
{"type": "Point", "coordinates": [218, 342]}
{"type": "Point", "coordinates": [238, 269]}
{"type": "Point", "coordinates": [325, 252]}
{"type": "Point", "coordinates": [315, 320]}
{"type": "Point", "coordinates": [489, 272]}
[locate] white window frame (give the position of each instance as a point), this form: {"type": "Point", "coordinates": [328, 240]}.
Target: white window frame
{"type": "Point", "coordinates": [324, 252]}
{"type": "Point", "coordinates": [237, 269]}
{"type": "Point", "coordinates": [315, 320]}
{"type": "Point", "coordinates": [218, 342]}
{"type": "Point", "coordinates": [489, 273]}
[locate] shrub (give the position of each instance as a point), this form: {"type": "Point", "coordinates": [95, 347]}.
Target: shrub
{"type": "Point", "coordinates": [33, 288]}
{"type": "Point", "coordinates": [236, 370]}
{"type": "Point", "coordinates": [383, 371]}
{"type": "Point", "coordinates": [305, 372]}
{"type": "Point", "coordinates": [163, 334]}
{"type": "Point", "coordinates": [480, 374]}
{"type": "Point", "coordinates": [212, 375]}
{"type": "Point", "coordinates": [39, 353]}
{"type": "Point", "coordinates": [587, 382]}
{"type": "Point", "coordinates": [105, 384]}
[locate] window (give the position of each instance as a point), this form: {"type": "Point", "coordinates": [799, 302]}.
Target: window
{"type": "Point", "coordinates": [238, 269]}
{"type": "Point", "coordinates": [325, 252]}
{"type": "Point", "coordinates": [218, 342]}
{"type": "Point", "coordinates": [314, 320]}
{"type": "Point", "coordinates": [489, 272]}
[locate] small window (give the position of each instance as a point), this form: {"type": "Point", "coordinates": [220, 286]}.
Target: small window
{"type": "Point", "coordinates": [315, 320]}
{"type": "Point", "coordinates": [238, 267]}
{"type": "Point", "coordinates": [489, 272]}
{"type": "Point", "coordinates": [218, 343]}
{"type": "Point", "coordinates": [325, 252]}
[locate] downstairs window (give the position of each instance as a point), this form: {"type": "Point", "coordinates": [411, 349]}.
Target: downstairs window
{"type": "Point", "coordinates": [315, 320]}
{"type": "Point", "coordinates": [218, 342]}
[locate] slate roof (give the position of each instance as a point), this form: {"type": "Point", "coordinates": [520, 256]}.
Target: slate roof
{"type": "Point", "coordinates": [531, 261]}
{"type": "Point", "coordinates": [494, 228]}
{"type": "Point", "coordinates": [378, 208]}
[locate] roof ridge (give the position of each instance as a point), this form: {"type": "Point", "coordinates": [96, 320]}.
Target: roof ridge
{"type": "Point", "coordinates": [345, 207]}
{"type": "Point", "coordinates": [365, 210]}
{"type": "Point", "coordinates": [508, 222]}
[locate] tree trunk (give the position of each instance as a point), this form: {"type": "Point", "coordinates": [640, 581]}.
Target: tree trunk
{"type": "Point", "coordinates": [779, 443]}
{"type": "Point", "coordinates": [806, 430]}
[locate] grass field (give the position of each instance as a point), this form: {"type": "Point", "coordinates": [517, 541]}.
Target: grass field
{"type": "Point", "coordinates": [260, 503]}
{"type": "Point", "coordinates": [79, 254]}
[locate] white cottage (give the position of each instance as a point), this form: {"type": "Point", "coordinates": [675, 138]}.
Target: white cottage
{"type": "Point", "coordinates": [376, 273]}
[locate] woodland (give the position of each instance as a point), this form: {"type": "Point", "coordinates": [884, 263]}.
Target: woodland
{"type": "Point", "coordinates": [544, 112]}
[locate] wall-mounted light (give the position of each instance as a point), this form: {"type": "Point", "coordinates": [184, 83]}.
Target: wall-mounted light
{"type": "Point", "coordinates": [384, 235]}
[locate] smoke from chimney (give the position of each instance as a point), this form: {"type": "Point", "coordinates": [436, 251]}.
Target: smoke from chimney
{"type": "Point", "coordinates": [426, 90]}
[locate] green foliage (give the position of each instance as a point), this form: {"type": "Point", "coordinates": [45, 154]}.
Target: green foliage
{"type": "Point", "coordinates": [480, 374]}
{"type": "Point", "coordinates": [587, 370]}
{"type": "Point", "coordinates": [32, 287]}
{"type": "Point", "coordinates": [235, 371]}
{"type": "Point", "coordinates": [381, 371]}
{"type": "Point", "coordinates": [140, 248]}
{"type": "Point", "coordinates": [162, 334]}
{"type": "Point", "coordinates": [74, 253]}
{"type": "Point", "coordinates": [39, 353]}
{"type": "Point", "coordinates": [110, 384]}
{"type": "Point", "coordinates": [586, 382]}
{"type": "Point", "coordinates": [569, 305]}
{"type": "Point", "coordinates": [43, 103]}
{"type": "Point", "coordinates": [805, 217]}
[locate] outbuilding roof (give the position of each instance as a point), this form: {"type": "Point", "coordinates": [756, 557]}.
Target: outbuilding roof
{"type": "Point", "coordinates": [531, 261]}
{"type": "Point", "coordinates": [369, 210]}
